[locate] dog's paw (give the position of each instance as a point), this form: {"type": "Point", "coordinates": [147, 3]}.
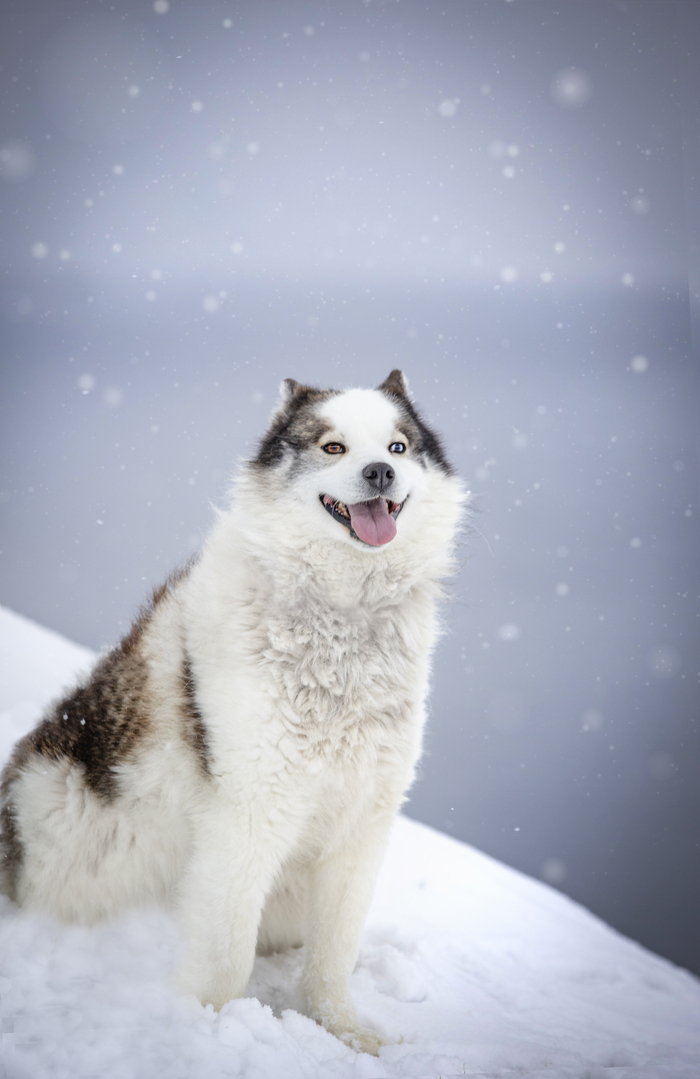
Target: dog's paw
{"type": "Point", "coordinates": [209, 986]}
{"type": "Point", "coordinates": [363, 1040]}
{"type": "Point", "coordinates": [337, 1014]}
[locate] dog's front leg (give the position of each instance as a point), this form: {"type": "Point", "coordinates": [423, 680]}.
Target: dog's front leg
{"type": "Point", "coordinates": [340, 894]}
{"type": "Point", "coordinates": [236, 855]}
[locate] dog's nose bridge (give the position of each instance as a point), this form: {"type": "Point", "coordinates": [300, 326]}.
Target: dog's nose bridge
{"type": "Point", "coordinates": [379, 474]}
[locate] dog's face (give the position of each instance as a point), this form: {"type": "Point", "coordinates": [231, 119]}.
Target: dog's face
{"type": "Point", "coordinates": [354, 462]}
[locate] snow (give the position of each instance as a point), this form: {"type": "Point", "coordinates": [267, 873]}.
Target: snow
{"type": "Point", "coordinates": [467, 968]}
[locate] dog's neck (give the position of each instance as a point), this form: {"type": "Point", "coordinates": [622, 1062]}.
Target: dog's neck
{"type": "Point", "coordinates": [334, 574]}
{"type": "Point", "coordinates": [297, 566]}
{"type": "Point", "coordinates": [318, 573]}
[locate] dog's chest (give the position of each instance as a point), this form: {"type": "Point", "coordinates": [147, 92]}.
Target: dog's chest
{"type": "Point", "coordinates": [341, 677]}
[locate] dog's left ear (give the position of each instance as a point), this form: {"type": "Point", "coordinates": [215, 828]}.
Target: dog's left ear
{"type": "Point", "coordinates": [396, 383]}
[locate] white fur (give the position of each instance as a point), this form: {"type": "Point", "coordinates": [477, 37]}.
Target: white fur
{"type": "Point", "coordinates": [310, 653]}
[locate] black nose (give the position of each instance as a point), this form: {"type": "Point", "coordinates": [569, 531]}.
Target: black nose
{"type": "Point", "coordinates": [379, 475]}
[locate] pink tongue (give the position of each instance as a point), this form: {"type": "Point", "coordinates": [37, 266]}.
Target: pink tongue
{"type": "Point", "coordinates": [372, 522]}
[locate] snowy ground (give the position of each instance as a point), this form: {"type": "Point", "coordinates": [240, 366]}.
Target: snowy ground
{"type": "Point", "coordinates": [467, 968]}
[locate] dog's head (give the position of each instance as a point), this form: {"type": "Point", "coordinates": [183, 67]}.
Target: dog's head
{"type": "Point", "coordinates": [354, 466]}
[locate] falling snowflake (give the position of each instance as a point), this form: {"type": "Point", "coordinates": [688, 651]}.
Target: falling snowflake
{"type": "Point", "coordinates": [591, 720]}
{"type": "Point", "coordinates": [17, 160]}
{"type": "Point", "coordinates": [554, 871]}
{"type": "Point", "coordinates": [571, 88]}
{"type": "Point", "coordinates": [448, 107]}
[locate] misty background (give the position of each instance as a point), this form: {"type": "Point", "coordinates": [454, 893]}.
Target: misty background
{"type": "Point", "coordinates": [501, 198]}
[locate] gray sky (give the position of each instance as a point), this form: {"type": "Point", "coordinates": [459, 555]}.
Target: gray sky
{"type": "Point", "coordinates": [499, 197]}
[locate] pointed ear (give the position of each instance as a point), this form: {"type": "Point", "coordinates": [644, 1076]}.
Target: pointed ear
{"type": "Point", "coordinates": [288, 390]}
{"type": "Point", "coordinates": [396, 383]}
{"type": "Point", "coordinates": [292, 395]}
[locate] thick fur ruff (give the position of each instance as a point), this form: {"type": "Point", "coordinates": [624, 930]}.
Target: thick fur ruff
{"type": "Point", "coordinates": [241, 754]}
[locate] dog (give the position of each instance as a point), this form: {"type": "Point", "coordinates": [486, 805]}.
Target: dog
{"type": "Point", "coordinates": [241, 754]}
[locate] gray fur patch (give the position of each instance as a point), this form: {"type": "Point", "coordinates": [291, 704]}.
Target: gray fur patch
{"type": "Point", "coordinates": [422, 438]}
{"type": "Point", "coordinates": [295, 427]}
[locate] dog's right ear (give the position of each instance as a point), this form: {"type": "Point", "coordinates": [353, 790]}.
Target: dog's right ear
{"type": "Point", "coordinates": [293, 394]}
{"type": "Point", "coordinates": [289, 389]}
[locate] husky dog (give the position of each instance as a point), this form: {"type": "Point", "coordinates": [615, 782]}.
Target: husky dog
{"type": "Point", "coordinates": [241, 754]}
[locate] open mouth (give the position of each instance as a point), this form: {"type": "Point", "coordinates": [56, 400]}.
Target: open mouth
{"type": "Point", "coordinates": [372, 522]}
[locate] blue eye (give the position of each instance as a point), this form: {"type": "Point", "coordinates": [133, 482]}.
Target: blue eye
{"type": "Point", "coordinates": [397, 447]}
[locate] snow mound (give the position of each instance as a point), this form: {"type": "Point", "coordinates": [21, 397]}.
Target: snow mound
{"type": "Point", "coordinates": [467, 968]}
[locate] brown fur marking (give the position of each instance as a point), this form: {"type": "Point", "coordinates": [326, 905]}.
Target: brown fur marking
{"type": "Point", "coordinates": [97, 725]}
{"type": "Point", "coordinates": [195, 730]}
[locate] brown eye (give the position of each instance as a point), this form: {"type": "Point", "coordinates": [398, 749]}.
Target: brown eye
{"type": "Point", "coordinates": [397, 447]}
{"type": "Point", "coordinates": [333, 447]}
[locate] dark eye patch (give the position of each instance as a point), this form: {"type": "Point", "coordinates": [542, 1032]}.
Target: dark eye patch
{"type": "Point", "coordinates": [294, 427]}
{"type": "Point", "coordinates": [424, 442]}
